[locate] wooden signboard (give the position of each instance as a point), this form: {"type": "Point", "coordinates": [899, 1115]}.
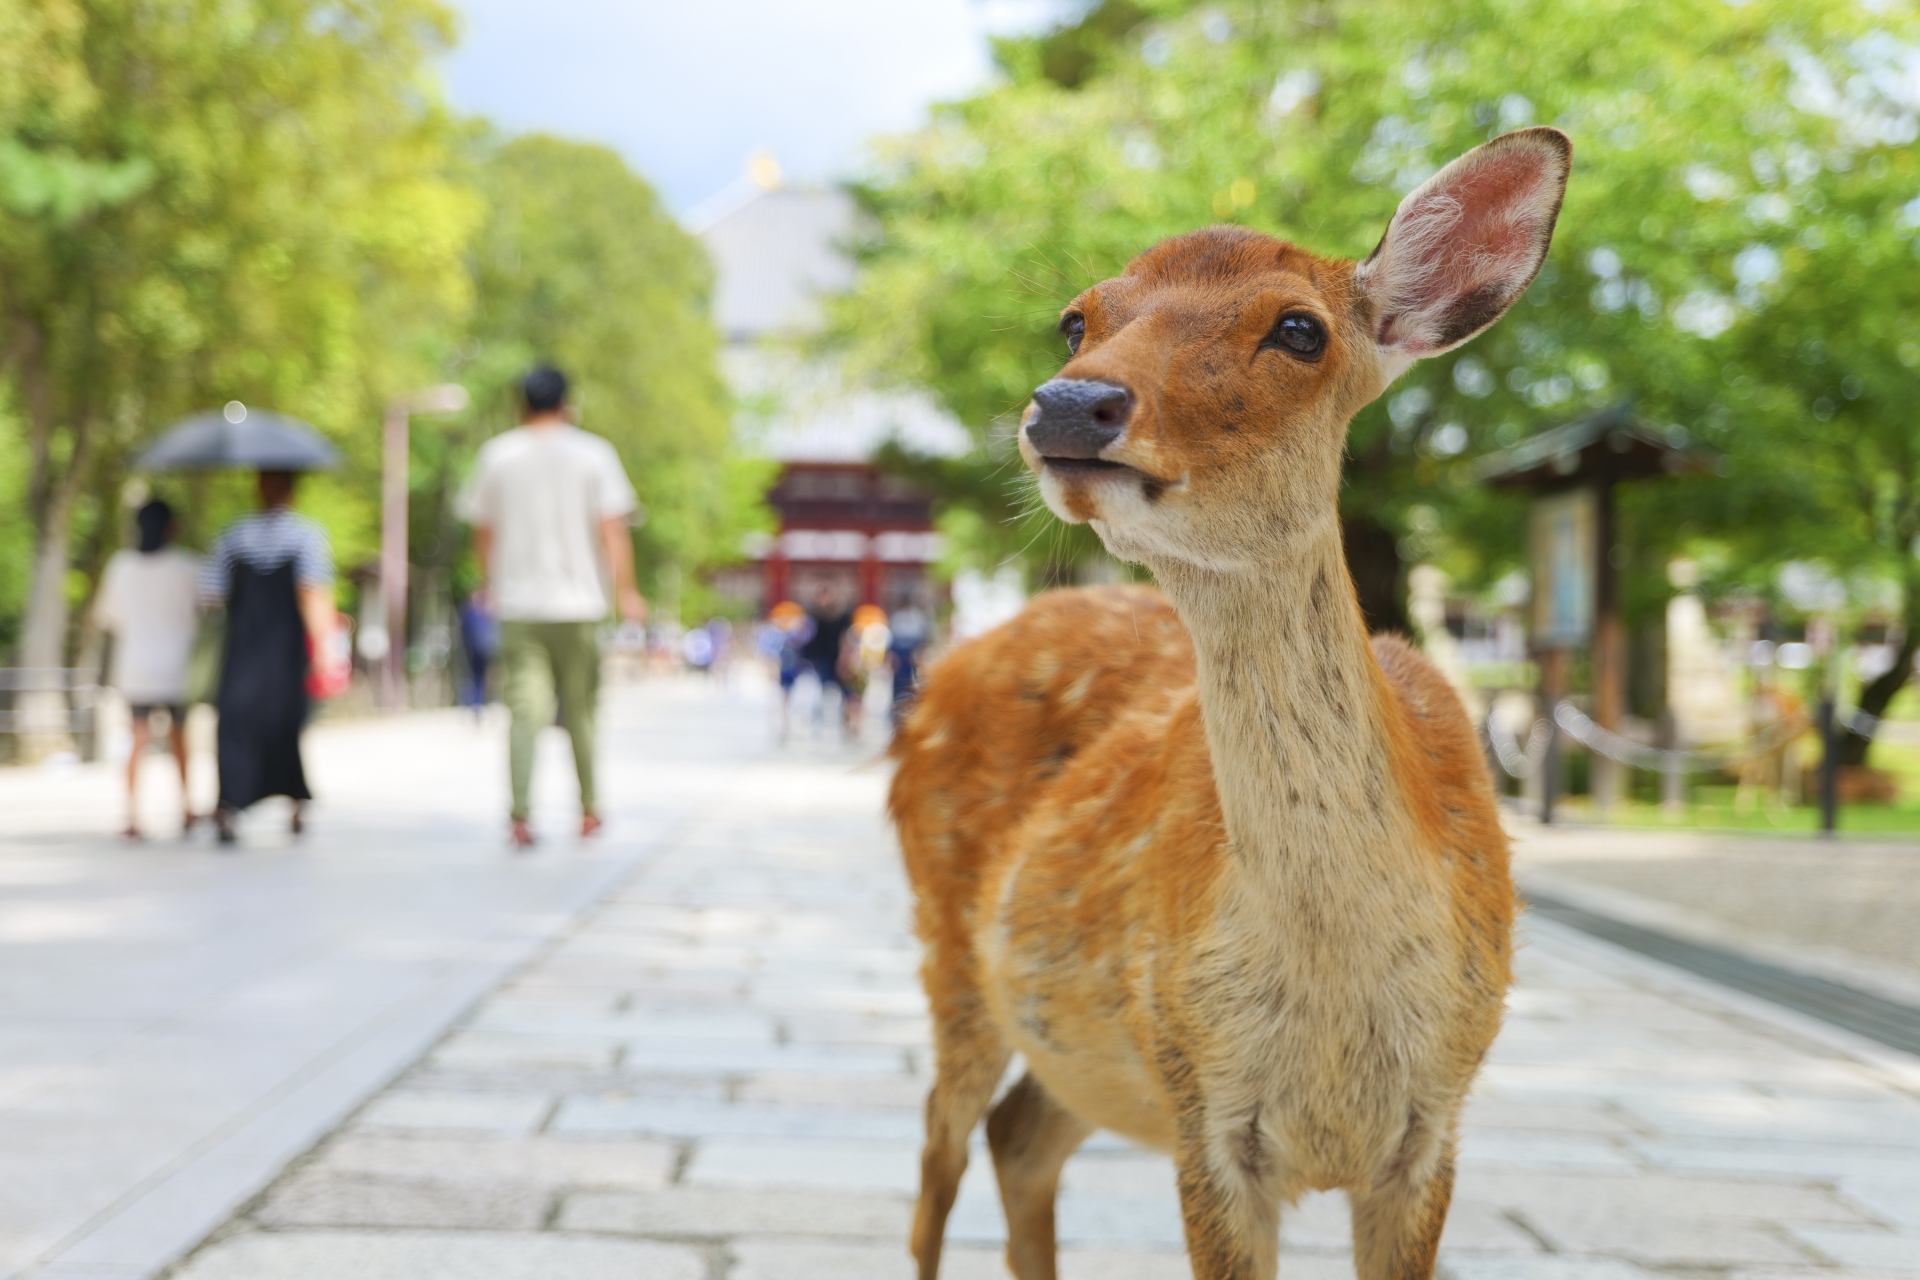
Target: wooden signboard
{"type": "Point", "coordinates": [1563, 534]}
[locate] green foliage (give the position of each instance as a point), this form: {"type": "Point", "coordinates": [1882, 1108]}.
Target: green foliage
{"type": "Point", "coordinates": [211, 201]}
{"type": "Point", "coordinates": [263, 200]}
{"type": "Point", "coordinates": [1701, 130]}
{"type": "Point", "coordinates": [579, 264]}
{"type": "Point", "coordinates": [1074, 53]}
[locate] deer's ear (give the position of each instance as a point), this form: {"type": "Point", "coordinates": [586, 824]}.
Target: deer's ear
{"type": "Point", "coordinates": [1465, 244]}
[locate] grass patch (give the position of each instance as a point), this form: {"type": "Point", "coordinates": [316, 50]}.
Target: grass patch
{"type": "Point", "coordinates": [1710, 808]}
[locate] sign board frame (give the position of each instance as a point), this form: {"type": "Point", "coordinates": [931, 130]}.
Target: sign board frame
{"type": "Point", "coordinates": [1563, 542]}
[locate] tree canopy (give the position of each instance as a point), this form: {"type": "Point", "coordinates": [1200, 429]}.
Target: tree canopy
{"type": "Point", "coordinates": [212, 202]}
{"type": "Point", "coordinates": [204, 201]}
{"type": "Point", "coordinates": [1735, 255]}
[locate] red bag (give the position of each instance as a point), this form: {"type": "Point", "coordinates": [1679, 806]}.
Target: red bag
{"type": "Point", "coordinates": [329, 675]}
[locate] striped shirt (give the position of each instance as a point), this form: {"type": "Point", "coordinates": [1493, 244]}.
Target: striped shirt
{"type": "Point", "coordinates": [266, 540]}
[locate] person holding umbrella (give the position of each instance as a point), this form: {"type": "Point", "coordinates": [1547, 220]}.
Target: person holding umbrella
{"type": "Point", "coordinates": [272, 570]}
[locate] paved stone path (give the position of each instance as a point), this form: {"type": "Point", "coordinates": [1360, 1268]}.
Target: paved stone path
{"type": "Point", "coordinates": [1846, 907]}
{"type": "Point", "coordinates": [177, 1023]}
{"type": "Point", "coordinates": [715, 1074]}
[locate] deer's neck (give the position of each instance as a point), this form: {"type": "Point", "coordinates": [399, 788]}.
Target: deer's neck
{"type": "Point", "coordinates": [1295, 710]}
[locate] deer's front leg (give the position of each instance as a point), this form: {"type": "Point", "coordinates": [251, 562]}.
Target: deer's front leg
{"type": "Point", "coordinates": [1397, 1222]}
{"type": "Point", "coordinates": [1232, 1218]}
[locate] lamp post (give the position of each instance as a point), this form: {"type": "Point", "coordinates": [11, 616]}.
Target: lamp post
{"type": "Point", "coordinates": [448, 397]}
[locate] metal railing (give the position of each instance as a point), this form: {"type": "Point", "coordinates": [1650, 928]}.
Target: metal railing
{"type": "Point", "coordinates": [1519, 762]}
{"type": "Point", "coordinates": [77, 692]}
{"type": "Point", "coordinates": [1536, 760]}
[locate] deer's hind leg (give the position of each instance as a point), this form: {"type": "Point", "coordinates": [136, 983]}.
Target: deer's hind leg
{"type": "Point", "coordinates": [1397, 1222]}
{"type": "Point", "coordinates": [969, 1059]}
{"type": "Point", "coordinates": [1031, 1136]}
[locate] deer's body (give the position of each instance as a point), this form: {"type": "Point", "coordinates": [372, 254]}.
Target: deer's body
{"type": "Point", "coordinates": [1339, 1007]}
{"type": "Point", "coordinates": [1226, 874]}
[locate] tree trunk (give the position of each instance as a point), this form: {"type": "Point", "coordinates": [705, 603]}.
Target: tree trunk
{"type": "Point", "coordinates": [1879, 693]}
{"type": "Point", "coordinates": [51, 492]}
{"type": "Point", "coordinates": [43, 711]}
{"type": "Point", "coordinates": [1373, 558]}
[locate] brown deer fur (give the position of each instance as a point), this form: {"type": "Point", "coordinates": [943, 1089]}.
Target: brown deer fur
{"type": "Point", "coordinates": [1228, 876]}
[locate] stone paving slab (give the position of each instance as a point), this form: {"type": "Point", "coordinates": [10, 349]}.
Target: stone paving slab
{"type": "Point", "coordinates": [445, 1255]}
{"type": "Point", "coordinates": [177, 1023]}
{"type": "Point", "coordinates": [717, 1073]}
{"type": "Point", "coordinates": [1843, 908]}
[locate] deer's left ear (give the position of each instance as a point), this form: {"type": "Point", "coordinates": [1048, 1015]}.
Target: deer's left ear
{"type": "Point", "coordinates": [1465, 244]}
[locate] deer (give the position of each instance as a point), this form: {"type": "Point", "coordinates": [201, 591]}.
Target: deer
{"type": "Point", "coordinates": [1227, 874]}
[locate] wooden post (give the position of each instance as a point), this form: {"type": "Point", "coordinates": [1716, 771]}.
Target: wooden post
{"type": "Point", "coordinates": [1829, 766]}
{"type": "Point", "coordinates": [870, 573]}
{"type": "Point", "coordinates": [1673, 782]}
{"type": "Point", "coordinates": [1553, 683]}
{"type": "Point", "coordinates": [1609, 649]}
{"type": "Point", "coordinates": [777, 576]}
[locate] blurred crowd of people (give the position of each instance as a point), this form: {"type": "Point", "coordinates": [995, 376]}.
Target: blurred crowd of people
{"type": "Point", "coordinates": [842, 649]}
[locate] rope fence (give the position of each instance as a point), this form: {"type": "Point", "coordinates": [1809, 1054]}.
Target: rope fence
{"type": "Point", "coordinates": [1521, 762]}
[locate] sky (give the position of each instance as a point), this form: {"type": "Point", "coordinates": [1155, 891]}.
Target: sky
{"type": "Point", "coordinates": [687, 90]}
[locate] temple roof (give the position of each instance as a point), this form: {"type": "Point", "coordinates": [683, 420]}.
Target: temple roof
{"type": "Point", "coordinates": [1612, 444]}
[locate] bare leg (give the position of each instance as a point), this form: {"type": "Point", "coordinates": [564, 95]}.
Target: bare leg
{"type": "Point", "coordinates": [969, 1060]}
{"type": "Point", "coordinates": [1397, 1224]}
{"type": "Point", "coordinates": [1031, 1136]}
{"type": "Point", "coordinates": [142, 735]}
{"type": "Point", "coordinates": [177, 742]}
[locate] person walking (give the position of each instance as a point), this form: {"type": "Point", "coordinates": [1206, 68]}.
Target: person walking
{"type": "Point", "coordinates": [480, 638]}
{"type": "Point", "coordinates": [551, 510]}
{"type": "Point", "coordinates": [908, 630]}
{"type": "Point", "coordinates": [149, 603]}
{"type": "Point", "coordinates": [825, 651]}
{"type": "Point", "coordinates": [273, 572]}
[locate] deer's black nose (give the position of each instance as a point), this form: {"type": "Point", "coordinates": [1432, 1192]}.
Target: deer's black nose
{"type": "Point", "coordinates": [1078, 417]}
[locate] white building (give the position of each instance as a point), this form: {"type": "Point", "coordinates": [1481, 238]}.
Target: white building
{"type": "Point", "coordinates": [777, 251]}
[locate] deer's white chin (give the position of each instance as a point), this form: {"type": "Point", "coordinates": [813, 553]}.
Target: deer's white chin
{"type": "Point", "coordinates": [1120, 496]}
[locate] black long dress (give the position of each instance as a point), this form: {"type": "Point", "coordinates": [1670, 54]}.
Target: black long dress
{"type": "Point", "coordinates": [263, 688]}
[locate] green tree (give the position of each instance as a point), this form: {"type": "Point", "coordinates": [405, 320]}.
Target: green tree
{"type": "Point", "coordinates": [1818, 381]}
{"type": "Point", "coordinates": [214, 200]}
{"type": "Point", "coordinates": [580, 264]}
{"type": "Point", "coordinates": [1690, 123]}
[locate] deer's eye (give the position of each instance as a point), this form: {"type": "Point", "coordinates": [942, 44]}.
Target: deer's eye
{"type": "Point", "coordinates": [1074, 325]}
{"type": "Point", "coordinates": [1297, 334]}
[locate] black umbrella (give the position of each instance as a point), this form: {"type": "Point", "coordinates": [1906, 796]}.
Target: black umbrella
{"type": "Point", "coordinates": [237, 436]}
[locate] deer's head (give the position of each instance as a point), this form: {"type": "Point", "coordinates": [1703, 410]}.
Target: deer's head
{"type": "Point", "coordinates": [1202, 415]}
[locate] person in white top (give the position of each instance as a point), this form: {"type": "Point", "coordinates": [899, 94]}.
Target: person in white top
{"type": "Point", "coordinates": [552, 512]}
{"type": "Point", "coordinates": [149, 602]}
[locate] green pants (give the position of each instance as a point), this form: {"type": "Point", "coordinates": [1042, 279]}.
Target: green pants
{"type": "Point", "coordinates": [542, 658]}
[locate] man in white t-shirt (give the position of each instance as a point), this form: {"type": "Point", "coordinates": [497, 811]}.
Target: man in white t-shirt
{"type": "Point", "coordinates": [149, 602]}
{"type": "Point", "coordinates": [552, 511]}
